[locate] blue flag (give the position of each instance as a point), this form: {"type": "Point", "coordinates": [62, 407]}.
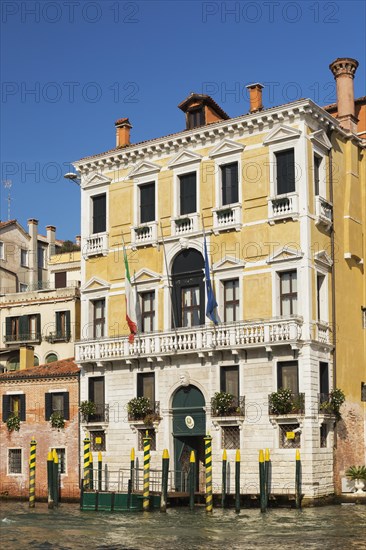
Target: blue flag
{"type": "Point", "coordinates": [211, 300]}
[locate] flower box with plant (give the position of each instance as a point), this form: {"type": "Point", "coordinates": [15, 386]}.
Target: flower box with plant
{"type": "Point", "coordinates": [284, 401]}
{"type": "Point", "coordinates": [224, 404]}
{"type": "Point", "coordinates": [358, 475]}
{"type": "Point", "coordinates": [331, 403]}
{"type": "Point", "coordinates": [151, 419]}
{"type": "Point", "coordinates": [13, 423]}
{"type": "Point", "coordinates": [87, 409]}
{"type": "Point", "coordinates": [138, 408]}
{"type": "Point", "coordinates": [57, 420]}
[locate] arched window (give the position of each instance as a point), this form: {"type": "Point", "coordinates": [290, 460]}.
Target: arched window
{"type": "Point", "coordinates": [51, 357]}
{"type": "Point", "coordinates": [188, 294]}
{"type": "Point", "coordinates": [36, 361]}
{"type": "Point", "coordinates": [13, 361]}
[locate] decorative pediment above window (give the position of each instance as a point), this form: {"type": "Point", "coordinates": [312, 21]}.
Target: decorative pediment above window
{"type": "Point", "coordinates": [284, 254]}
{"type": "Point", "coordinates": [320, 138]}
{"type": "Point", "coordinates": [228, 262]}
{"type": "Point", "coordinates": [96, 180]}
{"type": "Point", "coordinates": [95, 285]}
{"type": "Point", "coordinates": [226, 147]}
{"type": "Point", "coordinates": [184, 157]}
{"type": "Point", "coordinates": [144, 168]}
{"type": "Point", "coordinates": [146, 276]}
{"type": "Point", "coordinates": [281, 133]}
{"type": "Point", "coordinates": [323, 259]}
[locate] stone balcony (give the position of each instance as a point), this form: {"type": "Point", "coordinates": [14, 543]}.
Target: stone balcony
{"type": "Point", "coordinates": [323, 212]}
{"type": "Point", "coordinates": [201, 340]}
{"type": "Point", "coordinates": [282, 207]}
{"type": "Point", "coordinates": [185, 224]}
{"type": "Point", "coordinates": [96, 245]}
{"type": "Point", "coordinates": [227, 217]}
{"type": "Point", "coordinates": [144, 234]}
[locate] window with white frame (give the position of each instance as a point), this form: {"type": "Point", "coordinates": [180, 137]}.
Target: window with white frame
{"type": "Point", "coordinates": [147, 202]}
{"type": "Point", "coordinates": [147, 305]}
{"type": "Point", "coordinates": [14, 461]}
{"type": "Point", "coordinates": [288, 292]}
{"type": "Point", "coordinates": [99, 213]}
{"type": "Point", "coordinates": [187, 193]}
{"type": "Point", "coordinates": [285, 171]}
{"type": "Point", "coordinates": [98, 318]}
{"type": "Point", "coordinates": [24, 257]}
{"type": "Point", "coordinates": [23, 287]}
{"type": "Point", "coordinates": [231, 300]}
{"type": "Point", "coordinates": [321, 297]}
{"type": "Point", "coordinates": [229, 183]}
{"type": "Point", "coordinates": [319, 172]}
{"type": "Point", "coordinates": [2, 251]}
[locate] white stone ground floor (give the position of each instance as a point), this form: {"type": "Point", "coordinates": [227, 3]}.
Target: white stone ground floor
{"type": "Point", "coordinates": [182, 428]}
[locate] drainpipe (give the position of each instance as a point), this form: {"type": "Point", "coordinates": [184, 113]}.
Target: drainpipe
{"type": "Point", "coordinates": [332, 248]}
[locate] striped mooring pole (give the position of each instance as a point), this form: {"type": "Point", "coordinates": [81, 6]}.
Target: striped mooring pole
{"type": "Point", "coordinates": [49, 478]}
{"type": "Point", "coordinates": [91, 477]}
{"type": "Point", "coordinates": [262, 482]}
{"type": "Point", "coordinates": [224, 469]}
{"type": "Point", "coordinates": [86, 463]}
{"type": "Point", "coordinates": [267, 470]}
{"type": "Point", "coordinates": [55, 478]}
{"type": "Point", "coordinates": [146, 490]}
{"type": "Point", "coordinates": [100, 470]}
{"type": "Point", "coordinates": [237, 481]}
{"type": "Point", "coordinates": [132, 467]}
{"type": "Point", "coordinates": [32, 473]}
{"type": "Point", "coordinates": [164, 480]}
{"type": "Point", "coordinates": [192, 479]}
{"type": "Point", "coordinates": [208, 464]}
{"type": "Point", "coordinates": [298, 480]}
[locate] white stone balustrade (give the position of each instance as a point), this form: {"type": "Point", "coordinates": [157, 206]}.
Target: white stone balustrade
{"type": "Point", "coordinates": [182, 225]}
{"type": "Point", "coordinates": [97, 245]}
{"type": "Point", "coordinates": [283, 206]}
{"type": "Point", "coordinates": [144, 234]}
{"type": "Point", "coordinates": [227, 217]}
{"type": "Point", "coordinates": [323, 211]}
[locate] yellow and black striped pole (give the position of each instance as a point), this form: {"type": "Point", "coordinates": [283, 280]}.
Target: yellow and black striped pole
{"type": "Point", "coordinates": [146, 491]}
{"type": "Point", "coordinates": [208, 463]}
{"type": "Point", "coordinates": [32, 473]}
{"type": "Point", "coordinates": [86, 463]}
{"type": "Point", "coordinates": [224, 470]}
{"type": "Point", "coordinates": [298, 480]}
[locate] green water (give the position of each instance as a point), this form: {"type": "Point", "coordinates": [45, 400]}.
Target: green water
{"type": "Point", "coordinates": [330, 527]}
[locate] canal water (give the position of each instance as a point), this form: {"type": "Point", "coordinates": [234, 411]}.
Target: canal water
{"type": "Point", "coordinates": [330, 527]}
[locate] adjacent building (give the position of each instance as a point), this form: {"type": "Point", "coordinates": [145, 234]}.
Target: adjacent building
{"type": "Point", "coordinates": [281, 194]}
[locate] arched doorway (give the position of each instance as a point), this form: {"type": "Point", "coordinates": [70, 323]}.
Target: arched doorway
{"type": "Point", "coordinates": [189, 430]}
{"type": "Point", "coordinates": [188, 288]}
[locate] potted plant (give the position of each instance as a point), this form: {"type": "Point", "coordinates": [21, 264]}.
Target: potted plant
{"type": "Point", "coordinates": [138, 408]}
{"type": "Point", "coordinates": [152, 419]}
{"type": "Point", "coordinates": [333, 404]}
{"type": "Point", "coordinates": [57, 420]}
{"type": "Point", "coordinates": [223, 404]}
{"type": "Point", "coordinates": [13, 423]}
{"type": "Point", "coordinates": [281, 401]}
{"type": "Point", "coordinates": [87, 409]}
{"type": "Point", "coordinates": [358, 475]}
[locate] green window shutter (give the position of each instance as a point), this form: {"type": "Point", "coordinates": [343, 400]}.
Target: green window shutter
{"type": "Point", "coordinates": [23, 327]}
{"type": "Point", "coordinates": [58, 323]}
{"type": "Point", "coordinates": [66, 406]}
{"type": "Point", "coordinates": [48, 405]}
{"type": "Point", "coordinates": [68, 325]}
{"type": "Point", "coordinates": [22, 408]}
{"type": "Point", "coordinates": [38, 323]}
{"type": "Point", "coordinates": [8, 326]}
{"type": "Point", "coordinates": [6, 407]}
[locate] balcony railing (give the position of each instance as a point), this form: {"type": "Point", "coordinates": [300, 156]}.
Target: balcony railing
{"type": "Point", "coordinates": [58, 337]}
{"type": "Point", "coordinates": [323, 211]}
{"type": "Point", "coordinates": [153, 411]}
{"type": "Point", "coordinates": [97, 245]}
{"type": "Point", "coordinates": [39, 287]}
{"type": "Point", "coordinates": [23, 338]}
{"type": "Point", "coordinates": [294, 405]}
{"type": "Point", "coordinates": [199, 339]}
{"type": "Point", "coordinates": [101, 415]}
{"type": "Point", "coordinates": [187, 223]}
{"type": "Point", "coordinates": [323, 332]}
{"type": "Point", "coordinates": [227, 217]}
{"type": "Point", "coordinates": [236, 407]}
{"type": "Point", "coordinates": [325, 405]}
{"type": "Point", "coordinates": [144, 234]}
{"type": "Point", "coordinates": [283, 206]}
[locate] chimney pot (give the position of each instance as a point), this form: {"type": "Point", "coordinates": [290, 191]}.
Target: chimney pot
{"type": "Point", "coordinates": [255, 97]}
{"type": "Point", "coordinates": [32, 221]}
{"type": "Point", "coordinates": [344, 69]}
{"type": "Point", "coordinates": [123, 128]}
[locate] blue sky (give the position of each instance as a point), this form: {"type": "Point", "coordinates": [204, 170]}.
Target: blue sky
{"type": "Point", "coordinates": [70, 68]}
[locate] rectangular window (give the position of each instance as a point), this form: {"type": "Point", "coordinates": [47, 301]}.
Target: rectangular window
{"type": "Point", "coordinates": [99, 213]}
{"type": "Point", "coordinates": [97, 395]}
{"type": "Point", "coordinates": [317, 163]}
{"type": "Point", "coordinates": [2, 251]}
{"type": "Point", "coordinates": [147, 311]}
{"type": "Point", "coordinates": [288, 292]}
{"type": "Point", "coordinates": [151, 433]}
{"type": "Point", "coordinates": [41, 257]}
{"type": "Point", "coordinates": [231, 300]}
{"type": "Point", "coordinates": [190, 306]}
{"type": "Point", "coordinates": [63, 325]}
{"type": "Point", "coordinates": [229, 183]}
{"type": "Point", "coordinates": [363, 313]}
{"type": "Point", "coordinates": [33, 326]}
{"type": "Point", "coordinates": [23, 287]}
{"type": "Point", "coordinates": [196, 118]}
{"type": "Point", "coordinates": [23, 257]}
{"type": "Point", "coordinates": [146, 386]}
{"type": "Point", "coordinates": [61, 453]}
{"type": "Point", "coordinates": [14, 404]}
{"type": "Point", "coordinates": [60, 279]}
{"type": "Point", "coordinates": [324, 379]}
{"type": "Point", "coordinates": [97, 440]}
{"type": "Point", "coordinates": [147, 202]}
{"type": "Point", "coordinates": [285, 169]}
{"type": "Point", "coordinates": [230, 437]}
{"type": "Point", "coordinates": [188, 193]}
{"type": "Point", "coordinates": [289, 438]}
{"type": "Point", "coordinates": [287, 376]}
{"type": "Point", "coordinates": [229, 380]}
{"type": "Point", "coordinates": [15, 461]}
{"type": "Point", "coordinates": [57, 402]}
{"type": "Point", "coordinates": [321, 297]}
{"type": "Point", "coordinates": [98, 318]}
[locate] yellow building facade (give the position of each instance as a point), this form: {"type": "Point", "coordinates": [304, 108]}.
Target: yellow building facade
{"type": "Point", "coordinates": [280, 195]}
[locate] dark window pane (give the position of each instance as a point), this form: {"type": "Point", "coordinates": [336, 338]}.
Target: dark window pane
{"type": "Point", "coordinates": [323, 378]}
{"type": "Point", "coordinates": [147, 311]}
{"type": "Point", "coordinates": [231, 300]}
{"type": "Point", "coordinates": [146, 386]}
{"type": "Point", "coordinates": [98, 317]}
{"type": "Point", "coordinates": [288, 292]}
{"type": "Point", "coordinates": [60, 279]}
{"type": "Point", "coordinates": [317, 162]}
{"type": "Point", "coordinates": [188, 199]}
{"type": "Point", "coordinates": [99, 213]}
{"type": "Point", "coordinates": [285, 166]}
{"type": "Point", "coordinates": [96, 390]}
{"type": "Point", "coordinates": [230, 380]}
{"type": "Point", "coordinates": [196, 118]}
{"type": "Point", "coordinates": [229, 175]}
{"type": "Point", "coordinates": [287, 376]}
{"type": "Point", "coordinates": [147, 202]}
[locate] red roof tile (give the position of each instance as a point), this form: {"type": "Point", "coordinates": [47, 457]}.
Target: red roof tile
{"type": "Point", "coordinates": [4, 224]}
{"type": "Point", "coordinates": [56, 369]}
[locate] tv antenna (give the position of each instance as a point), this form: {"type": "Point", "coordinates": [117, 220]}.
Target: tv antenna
{"type": "Point", "coordinates": [7, 184]}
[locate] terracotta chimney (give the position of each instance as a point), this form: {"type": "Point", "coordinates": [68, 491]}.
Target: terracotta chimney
{"type": "Point", "coordinates": [255, 97]}
{"type": "Point", "coordinates": [344, 69]}
{"type": "Point", "coordinates": [123, 128]}
{"type": "Point", "coordinates": [51, 238]}
{"type": "Point", "coordinates": [26, 357]}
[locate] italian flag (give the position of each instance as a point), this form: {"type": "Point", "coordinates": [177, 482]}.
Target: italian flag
{"type": "Point", "coordinates": [130, 305]}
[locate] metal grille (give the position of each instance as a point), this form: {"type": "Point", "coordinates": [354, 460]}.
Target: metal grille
{"type": "Point", "coordinates": [151, 434]}
{"type": "Point", "coordinates": [286, 442]}
{"type": "Point", "coordinates": [230, 437]}
{"type": "Point", "coordinates": [323, 435]}
{"type": "Point", "coordinates": [15, 461]}
{"type": "Point", "coordinates": [97, 439]}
